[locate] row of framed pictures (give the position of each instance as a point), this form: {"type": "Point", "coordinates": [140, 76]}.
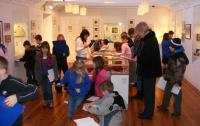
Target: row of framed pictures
{"type": "Point", "coordinates": [4, 27]}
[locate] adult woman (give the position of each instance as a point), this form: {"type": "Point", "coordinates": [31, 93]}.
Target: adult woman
{"type": "Point", "coordinates": [61, 51]}
{"type": "Point", "coordinates": [82, 47]}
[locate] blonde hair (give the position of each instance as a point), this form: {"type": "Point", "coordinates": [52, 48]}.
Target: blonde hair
{"type": "Point", "coordinates": [107, 86]}
{"type": "Point", "coordinates": [79, 65]}
{"type": "Point", "coordinates": [142, 27]}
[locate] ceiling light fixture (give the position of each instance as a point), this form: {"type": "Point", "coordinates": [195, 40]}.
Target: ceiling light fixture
{"type": "Point", "coordinates": [109, 2]}
{"type": "Point", "coordinates": [75, 9]}
{"type": "Point", "coordinates": [143, 8]}
{"type": "Point", "coordinates": [83, 11]}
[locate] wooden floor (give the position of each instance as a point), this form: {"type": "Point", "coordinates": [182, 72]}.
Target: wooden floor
{"type": "Point", "coordinates": [36, 115]}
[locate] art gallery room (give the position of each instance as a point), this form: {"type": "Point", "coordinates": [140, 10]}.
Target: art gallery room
{"type": "Point", "coordinates": [99, 63]}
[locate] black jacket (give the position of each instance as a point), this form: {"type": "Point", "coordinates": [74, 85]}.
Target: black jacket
{"type": "Point", "coordinates": [149, 62]}
{"type": "Point", "coordinates": [12, 86]}
{"type": "Point", "coordinates": [29, 58]}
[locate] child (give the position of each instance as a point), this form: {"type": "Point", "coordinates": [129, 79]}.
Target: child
{"type": "Point", "coordinates": [105, 46]}
{"type": "Point", "coordinates": [14, 90]}
{"type": "Point", "coordinates": [174, 75]}
{"type": "Point", "coordinates": [109, 107]}
{"type": "Point", "coordinates": [28, 58]}
{"type": "Point", "coordinates": [126, 51]}
{"type": "Point", "coordinates": [44, 63]}
{"type": "Point", "coordinates": [78, 86]}
{"type": "Point", "coordinates": [99, 75]}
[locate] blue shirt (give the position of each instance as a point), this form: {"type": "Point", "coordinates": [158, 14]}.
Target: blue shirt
{"type": "Point", "coordinates": [165, 48]}
{"type": "Point", "coordinates": [70, 77]}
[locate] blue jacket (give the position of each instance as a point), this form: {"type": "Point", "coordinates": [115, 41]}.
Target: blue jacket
{"type": "Point", "coordinates": [70, 77]}
{"type": "Point", "coordinates": [165, 48]}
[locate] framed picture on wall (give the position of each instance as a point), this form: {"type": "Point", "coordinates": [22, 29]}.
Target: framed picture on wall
{"type": "Point", "coordinates": [1, 31]}
{"type": "Point", "coordinates": [188, 31]}
{"type": "Point", "coordinates": [198, 37]}
{"type": "Point", "coordinates": [6, 26]}
{"type": "Point", "coordinates": [131, 23]}
{"type": "Point", "coordinates": [70, 28]}
{"type": "Point", "coordinates": [7, 38]}
{"type": "Point", "coordinates": [114, 30]}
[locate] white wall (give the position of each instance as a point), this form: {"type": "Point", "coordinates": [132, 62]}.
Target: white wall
{"type": "Point", "coordinates": [18, 13]}
{"type": "Point", "coordinates": [158, 18]}
{"type": "Point", "coordinates": [189, 15]}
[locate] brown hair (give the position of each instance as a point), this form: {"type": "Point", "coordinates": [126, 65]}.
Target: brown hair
{"type": "Point", "coordinates": [118, 46]}
{"type": "Point", "coordinates": [45, 44]}
{"type": "Point", "coordinates": [99, 62]}
{"type": "Point", "coordinates": [131, 31]}
{"type": "Point", "coordinates": [3, 63]}
{"type": "Point", "coordinates": [166, 36]}
{"type": "Point", "coordinates": [107, 86]}
{"type": "Point", "coordinates": [59, 36]}
{"type": "Point", "coordinates": [78, 64]}
{"type": "Point", "coordinates": [38, 37]}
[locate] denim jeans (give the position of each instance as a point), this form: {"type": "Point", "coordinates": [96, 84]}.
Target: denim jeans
{"type": "Point", "coordinates": [73, 103]}
{"type": "Point", "coordinates": [47, 89]}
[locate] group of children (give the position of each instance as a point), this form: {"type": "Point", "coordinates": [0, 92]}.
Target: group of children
{"type": "Point", "coordinates": [79, 84]}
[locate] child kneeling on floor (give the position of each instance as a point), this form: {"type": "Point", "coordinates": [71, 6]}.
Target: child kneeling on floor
{"type": "Point", "coordinates": [108, 108]}
{"type": "Point", "coordinates": [78, 86]}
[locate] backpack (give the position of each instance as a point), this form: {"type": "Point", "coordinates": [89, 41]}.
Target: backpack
{"type": "Point", "coordinates": [118, 100]}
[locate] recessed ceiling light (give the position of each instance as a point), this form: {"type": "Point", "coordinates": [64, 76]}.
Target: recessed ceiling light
{"type": "Point", "coordinates": [109, 2]}
{"type": "Point", "coordinates": [50, 7]}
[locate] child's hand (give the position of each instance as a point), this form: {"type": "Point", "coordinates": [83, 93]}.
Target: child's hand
{"type": "Point", "coordinates": [11, 100]}
{"type": "Point", "coordinates": [78, 90]}
{"type": "Point", "coordinates": [88, 105]}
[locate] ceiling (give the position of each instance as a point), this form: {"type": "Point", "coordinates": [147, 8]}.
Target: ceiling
{"type": "Point", "coordinates": [122, 3]}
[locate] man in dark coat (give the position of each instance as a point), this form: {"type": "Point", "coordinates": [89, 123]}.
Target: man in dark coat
{"type": "Point", "coordinates": [148, 67]}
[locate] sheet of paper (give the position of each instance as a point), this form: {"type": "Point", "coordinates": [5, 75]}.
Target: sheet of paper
{"type": "Point", "coordinates": [176, 89]}
{"type": "Point", "coordinates": [51, 75]}
{"type": "Point", "coordinates": [92, 98]}
{"type": "Point", "coordinates": [66, 102]}
{"type": "Point", "coordinates": [161, 83]}
{"type": "Point", "coordinates": [88, 121]}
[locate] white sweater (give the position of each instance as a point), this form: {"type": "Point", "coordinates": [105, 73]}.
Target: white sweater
{"type": "Point", "coordinates": [80, 50]}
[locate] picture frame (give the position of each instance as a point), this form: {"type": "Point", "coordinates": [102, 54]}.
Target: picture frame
{"type": "Point", "coordinates": [33, 25]}
{"type": "Point", "coordinates": [70, 28]}
{"type": "Point", "coordinates": [6, 26]}
{"type": "Point", "coordinates": [198, 37]}
{"type": "Point", "coordinates": [96, 23]}
{"type": "Point", "coordinates": [7, 38]}
{"type": "Point", "coordinates": [1, 31]}
{"type": "Point", "coordinates": [115, 30]}
{"type": "Point", "coordinates": [131, 23]}
{"type": "Point", "coordinates": [188, 31]}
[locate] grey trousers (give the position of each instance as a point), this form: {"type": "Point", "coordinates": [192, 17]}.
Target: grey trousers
{"type": "Point", "coordinates": [177, 99]}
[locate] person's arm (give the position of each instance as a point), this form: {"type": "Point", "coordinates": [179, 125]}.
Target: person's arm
{"type": "Point", "coordinates": [68, 51]}
{"type": "Point", "coordinates": [102, 108]}
{"type": "Point", "coordinates": [55, 67]}
{"type": "Point", "coordinates": [66, 77]}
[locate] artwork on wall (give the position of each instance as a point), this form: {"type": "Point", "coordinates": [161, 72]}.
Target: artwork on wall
{"type": "Point", "coordinates": [131, 23]}
{"type": "Point", "coordinates": [33, 34]}
{"type": "Point", "coordinates": [96, 22]}
{"type": "Point", "coordinates": [7, 38]}
{"type": "Point", "coordinates": [198, 37]}
{"type": "Point", "coordinates": [96, 28]}
{"type": "Point", "coordinates": [6, 26]}
{"type": "Point", "coordinates": [19, 31]}
{"type": "Point", "coordinates": [1, 31]}
{"type": "Point", "coordinates": [188, 31]}
{"type": "Point", "coordinates": [33, 25]}
{"type": "Point", "coordinates": [115, 30]}
{"type": "Point", "coordinates": [69, 28]}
